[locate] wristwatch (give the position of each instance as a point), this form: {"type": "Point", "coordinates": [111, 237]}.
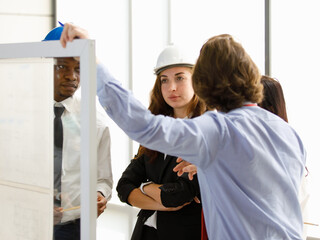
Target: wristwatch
{"type": "Point", "coordinates": [143, 185]}
{"type": "Point", "coordinates": [58, 196]}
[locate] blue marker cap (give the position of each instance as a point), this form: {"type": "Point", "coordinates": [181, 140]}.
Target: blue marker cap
{"type": "Point", "coordinates": [55, 33]}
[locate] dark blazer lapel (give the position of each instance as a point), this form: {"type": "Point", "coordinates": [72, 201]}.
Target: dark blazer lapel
{"type": "Point", "coordinates": [166, 162]}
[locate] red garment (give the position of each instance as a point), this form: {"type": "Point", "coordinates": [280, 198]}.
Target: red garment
{"type": "Point", "coordinates": [204, 235]}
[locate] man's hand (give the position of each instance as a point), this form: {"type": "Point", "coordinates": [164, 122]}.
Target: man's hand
{"type": "Point", "coordinates": [101, 203]}
{"type": "Point", "coordinates": [71, 32]}
{"type": "Point", "coordinates": [57, 215]}
{"type": "Point", "coordinates": [185, 166]}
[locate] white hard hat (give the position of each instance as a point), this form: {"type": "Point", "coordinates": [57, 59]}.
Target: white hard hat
{"type": "Point", "coordinates": [172, 56]}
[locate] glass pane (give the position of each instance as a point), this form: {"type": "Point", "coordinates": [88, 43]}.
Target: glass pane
{"type": "Point", "coordinates": [67, 141]}
{"type": "Point", "coordinates": [26, 148]}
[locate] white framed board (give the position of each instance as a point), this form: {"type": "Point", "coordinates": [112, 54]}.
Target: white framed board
{"type": "Point", "coordinates": [26, 137]}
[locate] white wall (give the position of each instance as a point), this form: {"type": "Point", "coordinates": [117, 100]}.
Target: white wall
{"type": "Point", "coordinates": [25, 21]}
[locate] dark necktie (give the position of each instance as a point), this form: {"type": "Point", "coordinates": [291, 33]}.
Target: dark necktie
{"type": "Point", "coordinates": [58, 141]}
{"type": "Point", "coordinates": [58, 131]}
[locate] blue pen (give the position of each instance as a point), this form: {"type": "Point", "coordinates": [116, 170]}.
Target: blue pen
{"type": "Point", "coordinates": [61, 24]}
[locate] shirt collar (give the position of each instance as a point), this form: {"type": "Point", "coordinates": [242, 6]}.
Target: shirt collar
{"type": "Point", "coordinates": [246, 103]}
{"type": "Point", "coordinates": [67, 103]}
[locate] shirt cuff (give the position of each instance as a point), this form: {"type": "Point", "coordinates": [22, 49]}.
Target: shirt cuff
{"type": "Point", "coordinates": [143, 185]}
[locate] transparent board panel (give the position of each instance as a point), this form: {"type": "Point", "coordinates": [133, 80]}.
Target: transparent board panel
{"type": "Point", "coordinates": [27, 73]}
{"type": "Point", "coordinates": [26, 148]}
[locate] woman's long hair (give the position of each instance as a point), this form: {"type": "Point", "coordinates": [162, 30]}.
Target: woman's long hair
{"type": "Point", "coordinates": [273, 99]}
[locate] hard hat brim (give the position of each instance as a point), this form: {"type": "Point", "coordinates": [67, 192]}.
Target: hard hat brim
{"type": "Point", "coordinates": [157, 71]}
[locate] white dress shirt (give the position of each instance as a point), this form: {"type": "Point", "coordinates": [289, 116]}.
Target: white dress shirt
{"type": "Point", "coordinates": [70, 175]}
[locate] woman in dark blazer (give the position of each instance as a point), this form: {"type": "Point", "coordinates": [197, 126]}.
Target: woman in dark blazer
{"type": "Point", "coordinates": [170, 206]}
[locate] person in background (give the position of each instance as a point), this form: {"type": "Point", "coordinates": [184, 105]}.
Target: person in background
{"type": "Point", "coordinates": [274, 102]}
{"type": "Point", "coordinates": [67, 148]}
{"type": "Point", "coordinates": [249, 161]}
{"type": "Point", "coordinates": [273, 97]}
{"type": "Point", "coordinates": [168, 210]}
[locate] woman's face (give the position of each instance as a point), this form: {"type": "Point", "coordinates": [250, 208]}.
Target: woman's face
{"type": "Point", "coordinates": [176, 89]}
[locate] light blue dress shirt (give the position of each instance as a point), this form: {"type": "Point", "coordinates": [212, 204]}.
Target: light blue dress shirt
{"type": "Point", "coordinates": [250, 162]}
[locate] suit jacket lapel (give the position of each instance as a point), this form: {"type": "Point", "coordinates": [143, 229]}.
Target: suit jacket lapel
{"type": "Point", "coordinates": [165, 164]}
